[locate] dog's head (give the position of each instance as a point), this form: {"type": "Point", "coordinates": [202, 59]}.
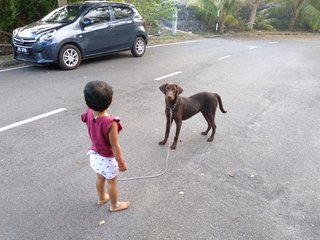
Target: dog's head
{"type": "Point", "coordinates": [171, 90]}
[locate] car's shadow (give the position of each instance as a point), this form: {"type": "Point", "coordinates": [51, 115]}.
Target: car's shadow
{"type": "Point", "coordinates": [85, 62]}
{"type": "Point", "coordinates": [112, 56]}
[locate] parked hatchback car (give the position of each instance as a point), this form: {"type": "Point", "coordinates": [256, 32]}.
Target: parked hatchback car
{"type": "Point", "coordinates": [78, 31]}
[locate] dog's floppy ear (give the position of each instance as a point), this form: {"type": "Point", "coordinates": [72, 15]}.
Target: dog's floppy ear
{"type": "Point", "coordinates": [179, 89]}
{"type": "Point", "coordinates": [163, 88]}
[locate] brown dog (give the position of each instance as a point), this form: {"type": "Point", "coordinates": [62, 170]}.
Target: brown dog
{"type": "Point", "coordinates": [183, 108]}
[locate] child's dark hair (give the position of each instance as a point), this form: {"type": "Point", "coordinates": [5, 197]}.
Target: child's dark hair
{"type": "Point", "coordinates": [98, 95]}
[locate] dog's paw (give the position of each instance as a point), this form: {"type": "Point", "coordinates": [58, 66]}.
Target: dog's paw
{"type": "Point", "coordinates": [210, 139]}
{"type": "Point", "coordinates": [162, 142]}
{"type": "Point", "coordinates": [204, 133]}
{"type": "Point", "coordinates": [173, 147]}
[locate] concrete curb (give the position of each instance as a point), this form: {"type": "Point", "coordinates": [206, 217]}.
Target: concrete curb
{"type": "Point", "coordinates": [9, 62]}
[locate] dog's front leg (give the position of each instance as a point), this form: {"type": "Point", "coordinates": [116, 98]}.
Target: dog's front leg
{"type": "Point", "coordinates": [176, 137]}
{"type": "Point", "coordinates": [167, 132]}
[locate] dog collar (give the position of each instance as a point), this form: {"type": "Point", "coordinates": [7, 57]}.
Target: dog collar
{"type": "Point", "coordinates": [173, 107]}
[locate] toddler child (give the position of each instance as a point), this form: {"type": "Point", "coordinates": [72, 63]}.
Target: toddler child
{"type": "Point", "coordinates": [105, 152]}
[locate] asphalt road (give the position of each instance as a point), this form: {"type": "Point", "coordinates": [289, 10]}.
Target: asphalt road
{"type": "Point", "coordinates": [259, 179]}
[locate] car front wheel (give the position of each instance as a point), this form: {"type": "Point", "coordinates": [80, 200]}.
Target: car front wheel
{"type": "Point", "coordinates": [139, 47]}
{"type": "Point", "coordinates": [69, 57]}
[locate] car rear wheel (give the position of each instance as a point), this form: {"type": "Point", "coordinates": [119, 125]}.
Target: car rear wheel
{"type": "Point", "coordinates": [69, 57]}
{"type": "Point", "coordinates": [139, 47]}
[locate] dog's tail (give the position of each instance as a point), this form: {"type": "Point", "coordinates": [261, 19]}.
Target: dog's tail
{"type": "Point", "coordinates": [220, 103]}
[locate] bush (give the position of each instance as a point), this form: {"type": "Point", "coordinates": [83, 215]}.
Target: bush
{"type": "Point", "coordinates": [17, 13]}
{"type": "Point", "coordinates": [231, 23]}
{"type": "Point", "coordinates": [5, 39]}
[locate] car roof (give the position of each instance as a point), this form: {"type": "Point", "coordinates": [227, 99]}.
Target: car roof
{"type": "Point", "coordinates": [97, 3]}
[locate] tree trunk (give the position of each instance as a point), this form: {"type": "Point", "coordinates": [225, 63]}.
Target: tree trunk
{"type": "Point", "coordinates": [221, 24]}
{"type": "Point", "coordinates": [62, 2]}
{"type": "Point", "coordinates": [293, 22]}
{"type": "Point", "coordinates": [295, 14]}
{"type": "Point", "coordinates": [253, 13]}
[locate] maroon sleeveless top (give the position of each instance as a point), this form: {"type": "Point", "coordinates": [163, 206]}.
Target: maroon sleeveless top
{"type": "Point", "coordinates": [98, 129]}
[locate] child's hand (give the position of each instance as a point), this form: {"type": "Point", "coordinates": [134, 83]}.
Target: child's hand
{"type": "Point", "coordinates": [122, 166]}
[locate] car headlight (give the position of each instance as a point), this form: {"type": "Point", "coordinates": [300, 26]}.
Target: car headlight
{"type": "Point", "coordinates": [14, 33]}
{"type": "Point", "coordinates": [141, 28]}
{"type": "Point", "coordinates": [46, 36]}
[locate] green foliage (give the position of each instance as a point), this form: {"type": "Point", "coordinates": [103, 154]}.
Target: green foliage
{"type": "Point", "coordinates": [310, 15]}
{"type": "Point", "coordinates": [280, 16]}
{"type": "Point", "coordinates": [16, 13]}
{"type": "Point", "coordinates": [6, 15]}
{"type": "Point", "coordinates": [230, 13]}
{"type": "Point", "coordinates": [215, 11]}
{"type": "Point", "coordinates": [227, 7]}
{"type": "Point", "coordinates": [263, 23]}
{"type": "Point", "coordinates": [207, 10]}
{"type": "Point", "coordinates": [231, 22]}
{"type": "Point", "coordinates": [243, 11]}
{"type": "Point", "coordinates": [242, 14]}
{"type": "Point", "coordinates": [154, 11]}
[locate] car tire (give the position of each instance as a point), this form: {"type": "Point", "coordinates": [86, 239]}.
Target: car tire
{"type": "Point", "coordinates": [69, 57]}
{"type": "Point", "coordinates": [139, 47]}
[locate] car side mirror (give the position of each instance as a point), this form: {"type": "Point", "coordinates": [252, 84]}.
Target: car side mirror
{"type": "Point", "coordinates": [86, 22]}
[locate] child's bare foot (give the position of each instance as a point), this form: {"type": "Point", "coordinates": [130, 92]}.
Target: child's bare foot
{"type": "Point", "coordinates": [120, 206]}
{"type": "Point", "coordinates": [101, 202]}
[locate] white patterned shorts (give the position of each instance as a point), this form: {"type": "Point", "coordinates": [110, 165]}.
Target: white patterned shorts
{"type": "Point", "coordinates": [107, 167]}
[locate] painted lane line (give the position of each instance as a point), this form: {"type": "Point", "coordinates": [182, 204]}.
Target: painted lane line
{"type": "Point", "coordinates": [14, 68]}
{"type": "Point", "coordinates": [224, 57]}
{"type": "Point", "coordinates": [32, 119]}
{"type": "Point", "coordinates": [166, 76]}
{"type": "Point", "coordinates": [176, 43]}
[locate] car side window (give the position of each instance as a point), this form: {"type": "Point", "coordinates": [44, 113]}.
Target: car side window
{"type": "Point", "coordinates": [122, 12]}
{"type": "Point", "coordinates": [99, 15]}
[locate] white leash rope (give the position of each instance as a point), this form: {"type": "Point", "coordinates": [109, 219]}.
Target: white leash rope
{"type": "Point", "coordinates": [166, 162]}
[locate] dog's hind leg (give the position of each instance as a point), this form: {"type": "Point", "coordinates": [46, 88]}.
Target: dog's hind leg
{"type": "Point", "coordinates": [208, 122]}
{"type": "Point", "coordinates": [213, 125]}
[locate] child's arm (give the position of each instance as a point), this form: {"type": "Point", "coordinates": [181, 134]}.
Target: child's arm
{"type": "Point", "coordinates": [114, 141]}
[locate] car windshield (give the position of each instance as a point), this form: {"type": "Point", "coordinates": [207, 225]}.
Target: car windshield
{"type": "Point", "coordinates": [65, 14]}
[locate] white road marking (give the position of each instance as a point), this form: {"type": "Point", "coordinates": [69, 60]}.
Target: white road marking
{"type": "Point", "coordinates": [224, 57]}
{"type": "Point", "coordinates": [14, 68]}
{"type": "Point", "coordinates": [166, 76]}
{"type": "Point", "coordinates": [176, 43]}
{"type": "Point", "coordinates": [32, 119]}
